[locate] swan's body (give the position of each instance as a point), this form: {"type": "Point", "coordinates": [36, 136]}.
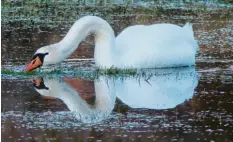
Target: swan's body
{"type": "Point", "coordinates": [156, 46]}
{"type": "Point", "coordinates": [140, 46]}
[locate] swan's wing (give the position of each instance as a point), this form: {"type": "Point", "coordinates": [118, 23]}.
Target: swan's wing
{"type": "Point", "coordinates": [157, 45]}
{"type": "Point", "coordinates": [141, 35]}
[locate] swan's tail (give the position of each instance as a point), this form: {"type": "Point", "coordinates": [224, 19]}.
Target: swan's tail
{"type": "Point", "coordinates": [196, 46]}
{"type": "Point", "coordinates": [189, 30]}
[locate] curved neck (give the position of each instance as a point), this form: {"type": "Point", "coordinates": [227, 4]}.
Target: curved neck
{"type": "Point", "coordinates": [104, 39]}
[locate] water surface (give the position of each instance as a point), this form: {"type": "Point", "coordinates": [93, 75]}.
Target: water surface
{"type": "Point", "coordinates": [166, 105]}
{"type": "Point", "coordinates": [183, 104]}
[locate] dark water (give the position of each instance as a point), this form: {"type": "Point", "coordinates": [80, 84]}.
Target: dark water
{"type": "Point", "coordinates": [185, 104]}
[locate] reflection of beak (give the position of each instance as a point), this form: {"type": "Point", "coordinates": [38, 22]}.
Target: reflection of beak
{"type": "Point", "coordinates": [37, 82]}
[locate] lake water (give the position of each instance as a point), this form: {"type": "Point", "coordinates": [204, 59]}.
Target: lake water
{"type": "Point", "coordinates": [179, 104]}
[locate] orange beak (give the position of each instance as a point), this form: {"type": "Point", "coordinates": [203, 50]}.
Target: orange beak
{"type": "Point", "coordinates": [35, 63]}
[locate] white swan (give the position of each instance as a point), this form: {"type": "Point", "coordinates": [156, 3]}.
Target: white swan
{"type": "Point", "coordinates": [80, 109]}
{"type": "Point", "coordinates": [140, 46]}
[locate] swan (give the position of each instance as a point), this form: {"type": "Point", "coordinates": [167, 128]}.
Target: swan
{"type": "Point", "coordinates": [69, 90]}
{"type": "Point", "coordinates": [138, 46]}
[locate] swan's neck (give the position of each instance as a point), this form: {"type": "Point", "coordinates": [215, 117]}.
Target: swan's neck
{"type": "Point", "coordinates": [104, 39]}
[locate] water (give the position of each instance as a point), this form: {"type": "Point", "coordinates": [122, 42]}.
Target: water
{"type": "Point", "coordinates": [170, 105]}
{"type": "Point", "coordinates": [183, 104]}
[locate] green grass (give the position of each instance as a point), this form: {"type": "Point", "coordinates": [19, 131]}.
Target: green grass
{"type": "Point", "coordinates": [12, 72]}
{"type": "Point", "coordinates": [98, 71]}
{"type": "Point", "coordinates": [122, 74]}
{"type": "Point", "coordinates": [87, 74]}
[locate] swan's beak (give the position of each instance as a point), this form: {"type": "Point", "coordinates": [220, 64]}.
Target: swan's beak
{"type": "Point", "coordinates": [35, 63]}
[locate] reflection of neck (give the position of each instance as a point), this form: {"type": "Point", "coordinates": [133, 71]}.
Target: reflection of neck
{"type": "Point", "coordinates": [104, 102]}
{"type": "Point", "coordinates": [104, 38]}
{"type": "Point", "coordinates": [71, 97]}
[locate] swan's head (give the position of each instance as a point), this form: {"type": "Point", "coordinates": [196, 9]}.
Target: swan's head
{"type": "Point", "coordinates": [44, 56]}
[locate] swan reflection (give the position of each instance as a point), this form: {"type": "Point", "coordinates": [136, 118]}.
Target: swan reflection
{"type": "Point", "coordinates": [166, 89]}
{"type": "Point", "coordinates": [93, 101]}
{"type": "Point", "coordinates": [89, 101]}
